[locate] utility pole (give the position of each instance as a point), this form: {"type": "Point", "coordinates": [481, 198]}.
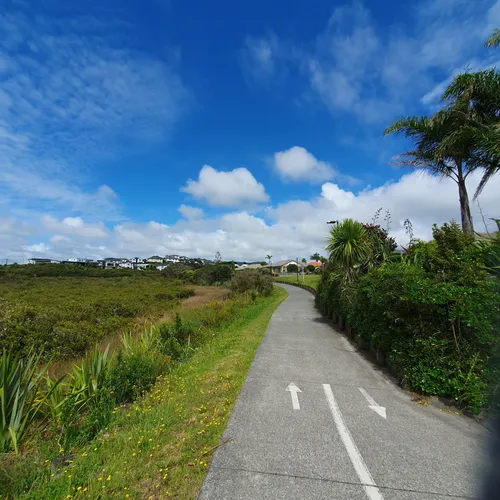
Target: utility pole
{"type": "Point", "coordinates": [297, 269]}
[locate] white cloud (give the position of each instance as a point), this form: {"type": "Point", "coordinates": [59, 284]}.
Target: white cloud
{"type": "Point", "coordinates": [297, 164]}
{"type": "Point", "coordinates": [261, 59]}
{"type": "Point", "coordinates": [353, 66]}
{"type": "Point", "coordinates": [75, 226]}
{"type": "Point", "coordinates": [189, 212]}
{"type": "Point", "coordinates": [40, 248]}
{"type": "Point", "coordinates": [69, 99]}
{"type": "Point", "coordinates": [291, 229]}
{"type": "Point", "coordinates": [226, 189]}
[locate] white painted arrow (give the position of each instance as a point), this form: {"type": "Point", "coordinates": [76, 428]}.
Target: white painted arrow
{"type": "Point", "coordinates": [294, 390]}
{"type": "Point", "coordinates": [373, 405]}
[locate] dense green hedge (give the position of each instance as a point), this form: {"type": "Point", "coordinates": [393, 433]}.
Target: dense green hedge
{"type": "Point", "coordinates": [434, 312]}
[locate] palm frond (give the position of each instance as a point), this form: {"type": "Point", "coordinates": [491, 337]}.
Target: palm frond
{"type": "Point", "coordinates": [494, 39]}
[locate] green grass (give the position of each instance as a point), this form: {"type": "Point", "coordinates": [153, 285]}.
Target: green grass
{"type": "Point", "coordinates": [311, 280]}
{"type": "Point", "coordinates": [160, 446]}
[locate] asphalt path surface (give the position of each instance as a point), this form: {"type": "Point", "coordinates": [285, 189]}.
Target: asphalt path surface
{"type": "Point", "coordinates": [350, 433]}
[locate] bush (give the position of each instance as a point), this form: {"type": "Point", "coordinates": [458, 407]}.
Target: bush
{"type": "Point", "coordinates": [176, 339]}
{"type": "Point", "coordinates": [252, 279]}
{"type": "Point", "coordinates": [134, 372]}
{"type": "Point", "coordinates": [434, 312]}
{"type": "Point", "coordinates": [65, 316]}
{"type": "Point", "coordinates": [292, 268]}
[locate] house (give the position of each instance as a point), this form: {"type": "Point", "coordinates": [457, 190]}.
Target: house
{"type": "Point", "coordinates": [76, 260]}
{"type": "Point", "coordinates": [172, 258]}
{"type": "Point", "coordinates": [126, 264]}
{"type": "Point", "coordinates": [281, 266]}
{"type": "Point", "coordinates": [249, 266]}
{"type": "Point", "coordinates": [317, 265]}
{"type": "Point", "coordinates": [42, 261]}
{"type": "Point", "coordinates": [111, 262]}
{"type": "Point", "coordinates": [155, 259]}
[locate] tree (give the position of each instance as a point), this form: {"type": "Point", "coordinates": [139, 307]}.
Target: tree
{"type": "Point", "coordinates": [323, 260]}
{"type": "Point", "coordinates": [475, 99]}
{"type": "Point", "coordinates": [263, 263]}
{"type": "Point", "coordinates": [348, 247]}
{"type": "Point", "coordinates": [304, 261]}
{"type": "Point", "coordinates": [316, 257]}
{"type": "Point", "coordinates": [440, 151]}
{"type": "Point", "coordinates": [310, 268]}
{"type": "Point", "coordinates": [269, 257]}
{"type": "Point", "coordinates": [218, 257]}
{"type": "Point", "coordinates": [292, 268]}
{"type": "Point", "coordinates": [494, 39]}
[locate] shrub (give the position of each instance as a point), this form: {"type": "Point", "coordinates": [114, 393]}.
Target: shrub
{"type": "Point", "coordinates": [434, 311]}
{"type": "Point", "coordinates": [252, 279]}
{"type": "Point", "coordinates": [134, 372]}
{"type": "Point", "coordinates": [176, 339]}
{"type": "Point", "coordinates": [292, 268]}
{"type": "Point", "coordinates": [65, 316]}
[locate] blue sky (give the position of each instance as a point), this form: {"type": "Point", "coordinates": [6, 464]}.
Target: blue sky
{"type": "Point", "coordinates": [241, 127]}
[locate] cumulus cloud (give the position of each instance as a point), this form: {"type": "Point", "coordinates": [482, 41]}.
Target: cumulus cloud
{"type": "Point", "coordinates": [297, 164]}
{"type": "Point", "coordinates": [226, 189]}
{"type": "Point", "coordinates": [296, 228]}
{"type": "Point", "coordinates": [189, 212]}
{"type": "Point", "coordinates": [75, 226]}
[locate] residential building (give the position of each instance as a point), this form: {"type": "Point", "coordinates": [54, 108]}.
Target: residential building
{"type": "Point", "coordinates": [155, 259]}
{"type": "Point", "coordinates": [41, 261]}
{"type": "Point", "coordinates": [280, 267]}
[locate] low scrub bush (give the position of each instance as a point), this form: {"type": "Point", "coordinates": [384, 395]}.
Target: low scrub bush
{"type": "Point", "coordinates": [135, 371]}
{"type": "Point", "coordinates": [252, 279]}
{"type": "Point", "coordinates": [65, 316]}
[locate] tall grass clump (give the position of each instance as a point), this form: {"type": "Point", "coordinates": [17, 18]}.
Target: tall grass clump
{"type": "Point", "coordinates": [20, 400]}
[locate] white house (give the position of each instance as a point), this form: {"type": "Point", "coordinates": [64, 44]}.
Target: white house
{"type": "Point", "coordinates": [281, 266]}
{"type": "Point", "coordinates": [42, 261]}
{"type": "Point", "coordinates": [155, 259]}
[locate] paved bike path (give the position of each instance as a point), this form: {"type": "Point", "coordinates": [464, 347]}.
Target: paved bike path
{"type": "Point", "coordinates": [338, 445]}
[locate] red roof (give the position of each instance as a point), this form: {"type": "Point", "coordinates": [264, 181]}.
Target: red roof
{"type": "Point", "coordinates": [315, 264]}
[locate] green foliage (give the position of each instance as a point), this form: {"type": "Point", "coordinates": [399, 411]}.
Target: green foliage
{"type": "Point", "coordinates": [19, 399]}
{"type": "Point", "coordinates": [64, 316]}
{"type": "Point", "coordinates": [310, 268]}
{"type": "Point", "coordinates": [348, 247]}
{"type": "Point", "coordinates": [214, 274]}
{"type": "Point", "coordinates": [434, 311]}
{"type": "Point", "coordinates": [252, 279]}
{"type": "Point", "coordinates": [292, 268]}
{"type": "Point", "coordinates": [134, 372]}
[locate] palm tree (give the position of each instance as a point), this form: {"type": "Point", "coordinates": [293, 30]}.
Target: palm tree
{"type": "Point", "coordinates": [475, 99]}
{"type": "Point", "coordinates": [315, 256]}
{"type": "Point", "coordinates": [269, 257]}
{"type": "Point", "coordinates": [494, 39]}
{"type": "Point", "coordinates": [438, 153]}
{"type": "Point", "coordinates": [348, 247]}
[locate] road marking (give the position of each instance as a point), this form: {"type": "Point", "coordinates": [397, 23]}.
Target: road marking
{"type": "Point", "coordinates": [373, 405]}
{"type": "Point", "coordinates": [294, 390]}
{"type": "Point", "coordinates": [371, 490]}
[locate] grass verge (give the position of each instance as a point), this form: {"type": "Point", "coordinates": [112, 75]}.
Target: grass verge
{"type": "Point", "coordinates": [161, 446]}
{"type": "Point", "coordinates": [311, 280]}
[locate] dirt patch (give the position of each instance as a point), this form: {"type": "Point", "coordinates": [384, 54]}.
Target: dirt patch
{"type": "Point", "coordinates": [203, 295]}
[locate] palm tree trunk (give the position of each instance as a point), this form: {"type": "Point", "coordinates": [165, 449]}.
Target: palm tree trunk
{"type": "Point", "coordinates": [465, 214]}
